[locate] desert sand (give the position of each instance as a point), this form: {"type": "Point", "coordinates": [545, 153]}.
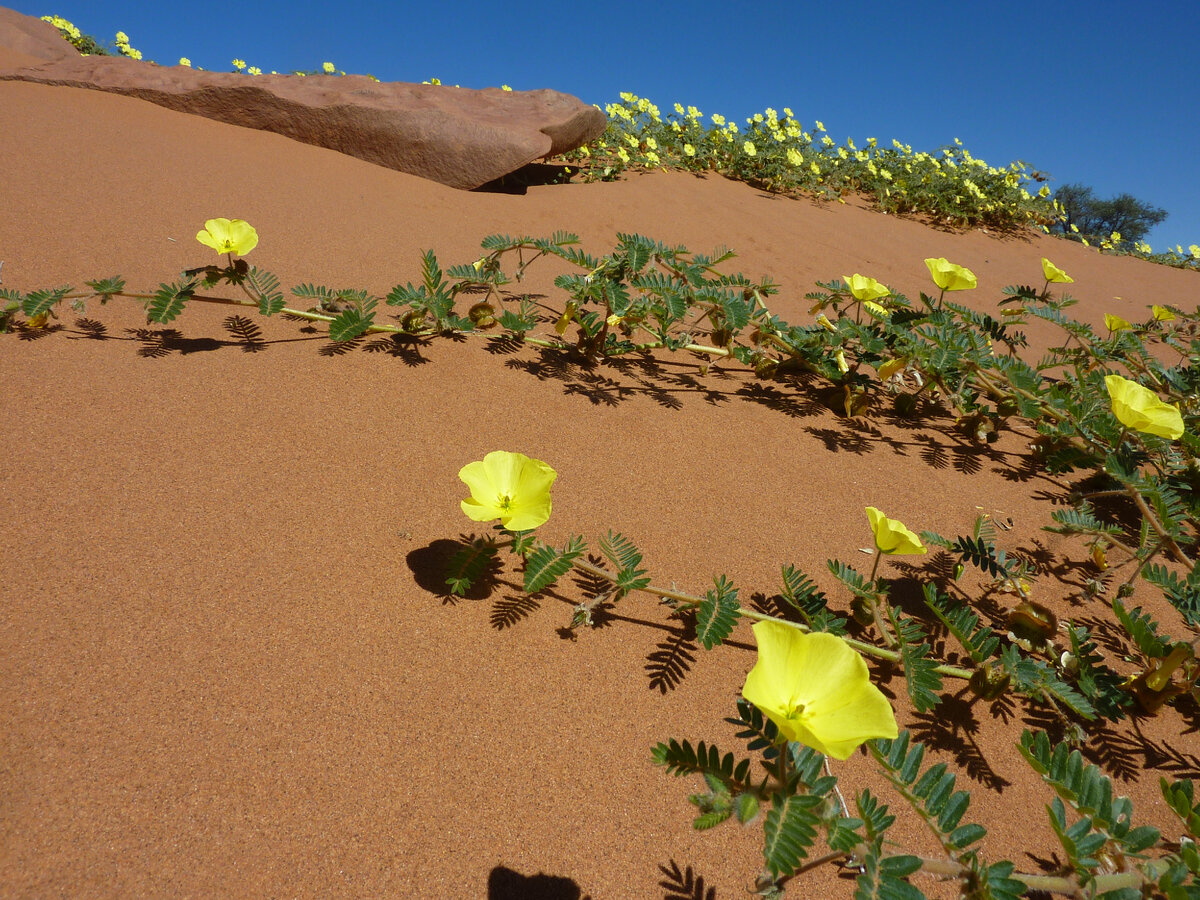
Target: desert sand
{"type": "Point", "coordinates": [229, 667]}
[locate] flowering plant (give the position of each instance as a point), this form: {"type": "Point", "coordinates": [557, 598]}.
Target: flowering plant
{"type": "Point", "coordinates": [817, 691]}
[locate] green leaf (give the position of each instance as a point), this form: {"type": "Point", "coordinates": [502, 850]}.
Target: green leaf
{"type": "Point", "coordinates": [107, 287]}
{"type": "Point", "coordinates": [1143, 629]}
{"type": "Point", "coordinates": [315, 293]}
{"type": "Point", "coordinates": [354, 322]}
{"type": "Point", "coordinates": [979, 642]}
{"type": "Point", "coordinates": [37, 302]}
{"type": "Point", "coordinates": [545, 565]}
{"type": "Point", "coordinates": [789, 830]}
{"type": "Point", "coordinates": [921, 678]}
{"type": "Point", "coordinates": [711, 819]}
{"type": "Point", "coordinates": [1038, 680]}
{"type": "Point", "coordinates": [747, 808]}
{"type": "Point", "coordinates": [1182, 593]}
{"type": "Point", "coordinates": [803, 595]}
{"type": "Point", "coordinates": [1179, 796]}
{"type": "Point", "coordinates": [264, 287]}
{"type": "Point", "coordinates": [965, 835]}
{"type": "Point", "coordinates": [431, 273]}
{"type": "Point", "coordinates": [169, 301]}
{"type": "Point", "coordinates": [468, 564]}
{"type": "Point", "coordinates": [984, 555]}
{"type": "Point", "coordinates": [848, 576]}
{"type": "Point", "coordinates": [717, 613]}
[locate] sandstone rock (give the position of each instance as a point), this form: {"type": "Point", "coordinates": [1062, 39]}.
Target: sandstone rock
{"type": "Point", "coordinates": [32, 37]}
{"type": "Point", "coordinates": [460, 137]}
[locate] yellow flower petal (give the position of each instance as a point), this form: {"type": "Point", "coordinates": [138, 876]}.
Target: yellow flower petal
{"type": "Point", "coordinates": [864, 288]}
{"type": "Point", "coordinates": [510, 487]}
{"type": "Point", "coordinates": [1140, 408]}
{"type": "Point", "coordinates": [892, 537]}
{"type": "Point", "coordinates": [950, 277]}
{"type": "Point", "coordinates": [1115, 323]}
{"type": "Point", "coordinates": [1162, 314]}
{"type": "Point", "coordinates": [891, 367]}
{"type": "Point", "coordinates": [817, 690]}
{"type": "Point", "coordinates": [1054, 274]}
{"type": "Point", "coordinates": [228, 236]}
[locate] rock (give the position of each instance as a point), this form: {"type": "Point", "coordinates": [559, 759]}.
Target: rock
{"type": "Point", "coordinates": [28, 40]}
{"type": "Point", "coordinates": [460, 137]}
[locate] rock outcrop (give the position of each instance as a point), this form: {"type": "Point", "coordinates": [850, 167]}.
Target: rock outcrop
{"type": "Point", "coordinates": [460, 137]}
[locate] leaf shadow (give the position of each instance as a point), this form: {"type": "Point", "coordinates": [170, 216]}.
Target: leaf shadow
{"type": "Point", "coordinates": [684, 884]}
{"type": "Point", "coordinates": [953, 727]}
{"type": "Point", "coordinates": [674, 656]}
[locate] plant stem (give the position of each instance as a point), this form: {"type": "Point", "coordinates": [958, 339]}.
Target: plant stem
{"type": "Point", "coordinates": [1166, 539]}
{"type": "Point", "coordinates": [691, 601]}
{"type": "Point", "coordinates": [1054, 884]}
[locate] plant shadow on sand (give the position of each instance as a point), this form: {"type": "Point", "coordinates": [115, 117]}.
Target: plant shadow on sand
{"type": "Point", "coordinates": [933, 434]}
{"type": "Point", "coordinates": [507, 884]}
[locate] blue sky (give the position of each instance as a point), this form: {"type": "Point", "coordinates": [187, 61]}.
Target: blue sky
{"type": "Point", "coordinates": [1101, 92]}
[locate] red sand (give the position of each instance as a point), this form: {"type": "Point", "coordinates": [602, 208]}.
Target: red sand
{"type": "Point", "coordinates": [226, 666]}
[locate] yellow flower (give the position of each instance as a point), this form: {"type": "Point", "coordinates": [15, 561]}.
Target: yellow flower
{"type": "Point", "coordinates": [864, 288]}
{"type": "Point", "coordinates": [875, 309]}
{"type": "Point", "coordinates": [254, 70]}
{"type": "Point", "coordinates": [891, 367]}
{"type": "Point", "coordinates": [184, 61]}
{"type": "Point", "coordinates": [1115, 323]}
{"type": "Point", "coordinates": [239, 64]}
{"type": "Point", "coordinates": [122, 37]}
{"type": "Point", "coordinates": [1054, 274]}
{"type": "Point", "coordinates": [823, 321]}
{"type": "Point", "coordinates": [891, 537]}
{"type": "Point", "coordinates": [505, 87]}
{"type": "Point", "coordinates": [689, 150]}
{"type": "Point", "coordinates": [1162, 314]}
{"type": "Point", "coordinates": [793, 157]}
{"type": "Point", "coordinates": [749, 148]}
{"type": "Point", "coordinates": [1194, 249]}
{"type": "Point", "coordinates": [228, 236]}
{"type": "Point", "coordinates": [614, 320]}
{"type": "Point", "coordinates": [950, 277]}
{"type": "Point", "coordinates": [327, 68]}
{"type": "Point", "coordinates": [1140, 409]}
{"type": "Point", "coordinates": [817, 690]}
{"type": "Point", "coordinates": [840, 358]}
{"type": "Point", "coordinates": [510, 487]}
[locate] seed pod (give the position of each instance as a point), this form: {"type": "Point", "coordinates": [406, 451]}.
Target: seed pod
{"type": "Point", "coordinates": [482, 315]}
{"type": "Point", "coordinates": [1032, 621]}
{"type": "Point", "coordinates": [989, 682]}
{"type": "Point", "coordinates": [861, 612]}
{"type": "Point", "coordinates": [413, 321]}
{"type": "Point", "coordinates": [764, 367]}
{"type": "Point", "coordinates": [905, 404]}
